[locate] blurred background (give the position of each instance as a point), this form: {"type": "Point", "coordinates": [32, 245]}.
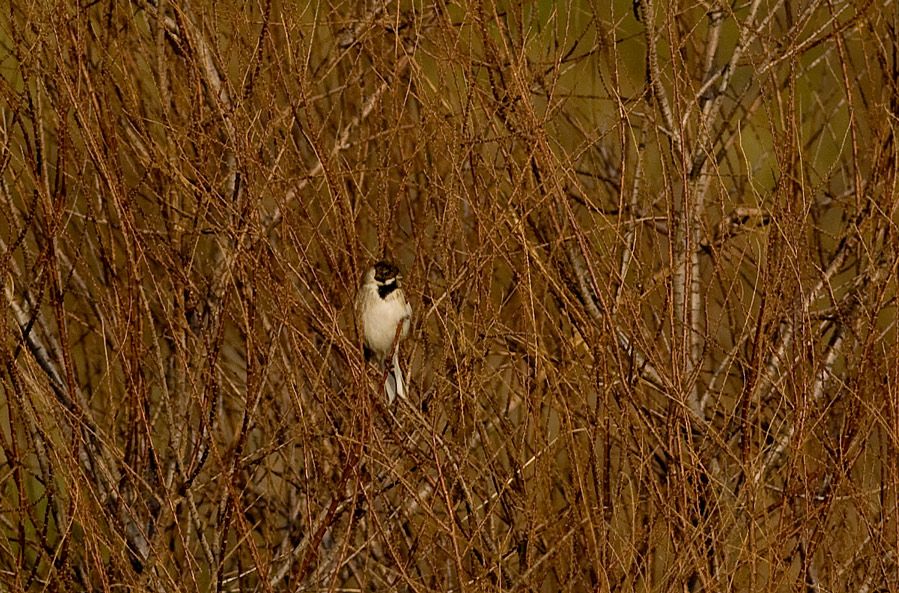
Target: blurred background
{"type": "Point", "coordinates": [651, 250]}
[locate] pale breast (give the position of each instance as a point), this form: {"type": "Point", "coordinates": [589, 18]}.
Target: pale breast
{"type": "Point", "coordinates": [382, 319]}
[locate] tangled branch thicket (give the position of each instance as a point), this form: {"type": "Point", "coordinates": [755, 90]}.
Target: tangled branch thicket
{"type": "Point", "coordinates": [651, 250]}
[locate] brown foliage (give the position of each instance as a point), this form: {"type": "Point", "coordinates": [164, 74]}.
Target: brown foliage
{"type": "Point", "coordinates": [652, 262]}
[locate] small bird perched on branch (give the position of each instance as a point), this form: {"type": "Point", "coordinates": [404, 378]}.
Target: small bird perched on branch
{"type": "Point", "coordinates": [383, 316]}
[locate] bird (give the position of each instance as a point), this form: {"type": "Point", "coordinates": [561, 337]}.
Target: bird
{"type": "Point", "coordinates": [383, 316]}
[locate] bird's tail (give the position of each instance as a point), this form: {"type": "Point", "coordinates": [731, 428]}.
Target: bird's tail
{"type": "Point", "coordinates": [394, 383]}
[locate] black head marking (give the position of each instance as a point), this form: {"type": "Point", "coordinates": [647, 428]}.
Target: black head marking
{"type": "Point", "coordinates": [385, 271]}
{"type": "Point", "coordinates": [386, 288]}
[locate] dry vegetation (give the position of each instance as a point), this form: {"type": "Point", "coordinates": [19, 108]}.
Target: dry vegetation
{"type": "Point", "coordinates": [653, 264]}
